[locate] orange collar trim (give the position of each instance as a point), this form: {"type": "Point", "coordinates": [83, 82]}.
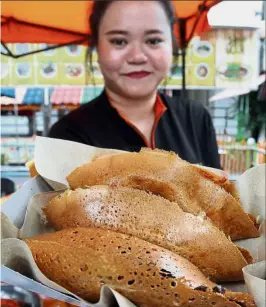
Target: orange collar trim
{"type": "Point", "coordinates": [159, 109]}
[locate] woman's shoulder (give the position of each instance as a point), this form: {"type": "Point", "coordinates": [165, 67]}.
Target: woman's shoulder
{"type": "Point", "coordinates": [184, 105]}
{"type": "Point", "coordinates": [86, 111]}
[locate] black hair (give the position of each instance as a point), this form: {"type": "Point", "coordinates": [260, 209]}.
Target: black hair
{"type": "Point", "coordinates": [98, 10]}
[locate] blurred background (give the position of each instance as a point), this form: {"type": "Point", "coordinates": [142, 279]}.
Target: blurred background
{"type": "Point", "coordinates": [224, 68]}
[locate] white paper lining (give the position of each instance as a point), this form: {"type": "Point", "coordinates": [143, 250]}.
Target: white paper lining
{"type": "Point", "coordinates": [17, 255]}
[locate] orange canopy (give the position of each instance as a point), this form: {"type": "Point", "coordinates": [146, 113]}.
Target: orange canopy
{"type": "Point", "coordinates": [65, 22]}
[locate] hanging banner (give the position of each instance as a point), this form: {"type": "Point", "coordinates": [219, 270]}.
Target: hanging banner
{"type": "Point", "coordinates": [200, 64]}
{"type": "Point", "coordinates": [46, 64]}
{"type": "Point", "coordinates": [71, 66]}
{"type": "Point", "coordinates": [48, 55]}
{"type": "Point", "coordinates": [72, 54]}
{"type": "Point", "coordinates": [23, 69]}
{"type": "Point", "coordinates": [72, 73]}
{"type": "Point", "coordinates": [237, 58]}
{"type": "Point", "coordinates": [202, 61]}
{"type": "Point", "coordinates": [47, 73]}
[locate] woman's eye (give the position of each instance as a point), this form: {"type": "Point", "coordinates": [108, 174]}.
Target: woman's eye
{"type": "Point", "coordinates": [118, 42]}
{"type": "Point", "coordinates": [154, 41]}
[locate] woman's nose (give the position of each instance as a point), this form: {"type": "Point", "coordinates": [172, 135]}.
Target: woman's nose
{"type": "Point", "coordinates": [137, 55]}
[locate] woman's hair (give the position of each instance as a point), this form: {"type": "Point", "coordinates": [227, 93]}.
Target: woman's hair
{"type": "Point", "coordinates": [98, 10]}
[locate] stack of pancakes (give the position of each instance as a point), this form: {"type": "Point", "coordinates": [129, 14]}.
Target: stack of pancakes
{"type": "Point", "coordinates": [150, 225]}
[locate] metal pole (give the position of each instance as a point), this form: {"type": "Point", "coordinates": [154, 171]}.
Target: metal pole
{"type": "Point", "coordinates": [46, 112]}
{"type": "Point", "coordinates": [32, 124]}
{"type": "Point", "coordinates": [183, 70]}
{"type": "Point", "coordinates": [17, 132]}
{"type": "Point", "coordinates": [182, 25]}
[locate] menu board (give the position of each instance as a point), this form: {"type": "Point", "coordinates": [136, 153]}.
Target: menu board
{"type": "Point", "coordinates": [72, 65]}
{"type": "Point", "coordinates": [72, 73]}
{"type": "Point", "coordinates": [23, 70]}
{"type": "Point", "coordinates": [47, 65]}
{"type": "Point", "coordinates": [51, 55]}
{"type": "Point", "coordinates": [200, 64]}
{"type": "Point", "coordinates": [237, 57]}
{"type": "Point", "coordinates": [222, 58]}
{"type": "Point", "coordinates": [202, 61]}
{"type": "Point", "coordinates": [47, 73]}
{"type": "Point", "coordinates": [23, 73]}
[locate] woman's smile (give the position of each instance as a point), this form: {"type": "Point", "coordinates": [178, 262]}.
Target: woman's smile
{"type": "Point", "coordinates": [138, 74]}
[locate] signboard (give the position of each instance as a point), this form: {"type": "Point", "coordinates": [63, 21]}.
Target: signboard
{"type": "Point", "coordinates": [223, 58]}
{"type": "Point", "coordinates": [47, 73]}
{"type": "Point", "coordinates": [237, 58]}
{"type": "Point", "coordinates": [72, 73]}
{"type": "Point", "coordinates": [202, 61]}
{"type": "Point", "coordinates": [200, 64]}
{"type": "Point", "coordinates": [49, 55]}
{"type": "Point", "coordinates": [72, 65]}
{"type": "Point", "coordinates": [23, 70]}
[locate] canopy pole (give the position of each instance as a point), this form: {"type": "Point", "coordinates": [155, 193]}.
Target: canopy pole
{"type": "Point", "coordinates": [182, 25]}
{"type": "Point", "coordinates": [184, 41]}
{"type": "Point", "coordinates": [46, 112]}
{"type": "Point", "coordinates": [201, 9]}
{"type": "Point", "coordinates": [16, 113]}
{"type": "Point", "coordinates": [183, 54]}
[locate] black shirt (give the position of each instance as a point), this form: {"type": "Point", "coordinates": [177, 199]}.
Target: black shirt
{"type": "Point", "coordinates": [185, 128]}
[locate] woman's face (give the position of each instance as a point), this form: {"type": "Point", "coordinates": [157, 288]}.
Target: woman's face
{"type": "Point", "coordinates": [134, 47]}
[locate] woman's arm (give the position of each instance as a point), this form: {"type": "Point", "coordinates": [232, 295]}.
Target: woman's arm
{"type": "Point", "coordinates": [65, 130]}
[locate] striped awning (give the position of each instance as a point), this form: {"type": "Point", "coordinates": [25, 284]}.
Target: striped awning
{"type": "Point", "coordinates": [34, 96]}
{"type": "Point", "coordinates": [235, 92]}
{"type": "Point", "coordinates": [8, 95]}
{"type": "Point", "coordinates": [22, 96]}
{"type": "Point", "coordinates": [74, 95]}
{"type": "Point", "coordinates": [66, 95]}
{"type": "Point", "coordinates": [90, 93]}
{"type": "Point", "coordinates": [59, 96]}
{"type": "Point", "coordinates": [8, 92]}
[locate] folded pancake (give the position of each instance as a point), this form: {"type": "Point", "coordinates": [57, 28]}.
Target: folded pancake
{"type": "Point", "coordinates": [84, 259]}
{"type": "Point", "coordinates": [169, 176]}
{"type": "Point", "coordinates": [218, 179]}
{"type": "Point", "coordinates": [154, 219]}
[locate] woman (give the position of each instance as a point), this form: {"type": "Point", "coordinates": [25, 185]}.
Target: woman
{"type": "Point", "coordinates": [134, 41]}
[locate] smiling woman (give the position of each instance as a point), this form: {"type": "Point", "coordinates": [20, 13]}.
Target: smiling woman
{"type": "Point", "coordinates": [135, 41]}
{"type": "Point", "coordinates": [139, 47]}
